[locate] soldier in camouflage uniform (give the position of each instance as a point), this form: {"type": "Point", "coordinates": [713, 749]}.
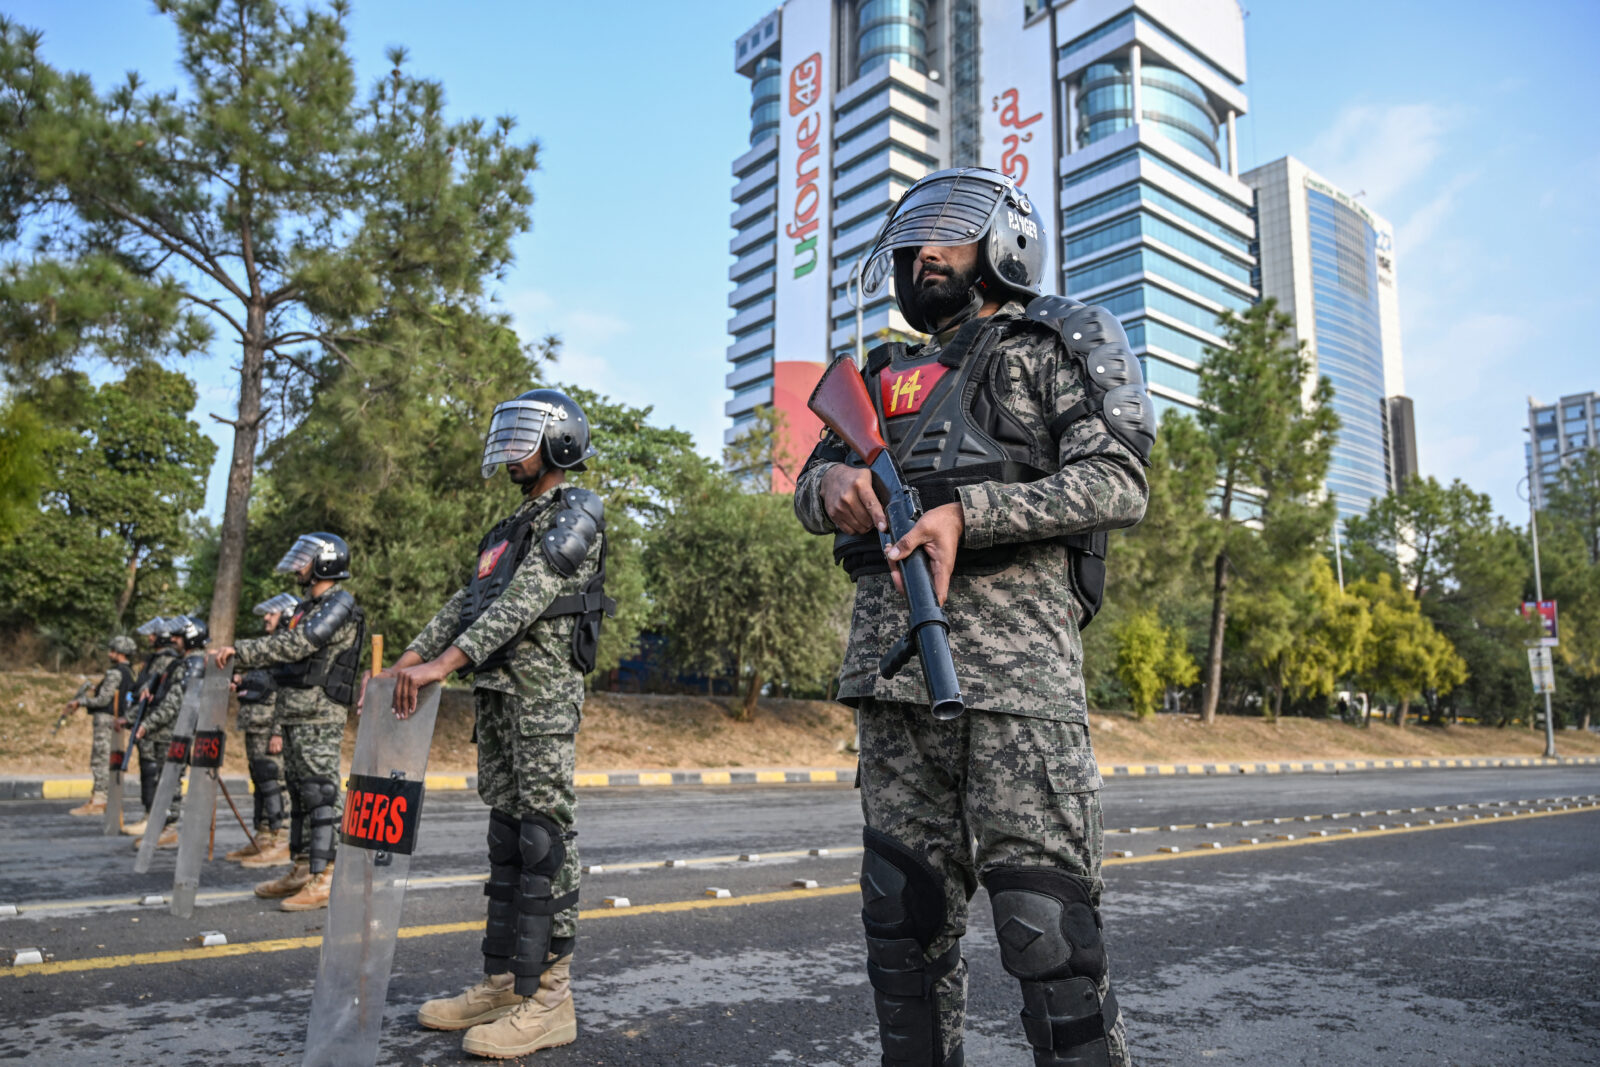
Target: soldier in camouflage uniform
{"type": "Point", "coordinates": [1023, 424]}
{"type": "Point", "coordinates": [155, 731]}
{"type": "Point", "coordinates": [263, 746]}
{"type": "Point", "coordinates": [525, 627]}
{"type": "Point", "coordinates": [103, 701]}
{"type": "Point", "coordinates": [162, 670]}
{"type": "Point", "coordinates": [316, 659]}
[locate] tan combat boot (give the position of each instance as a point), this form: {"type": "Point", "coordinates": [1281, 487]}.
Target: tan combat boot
{"type": "Point", "coordinates": [169, 836]}
{"type": "Point", "coordinates": [136, 829]}
{"type": "Point", "coordinates": [264, 839]}
{"type": "Point", "coordinates": [543, 1020]}
{"type": "Point", "coordinates": [312, 895]}
{"type": "Point", "coordinates": [484, 1002]}
{"type": "Point", "coordinates": [274, 854]}
{"type": "Point", "coordinates": [95, 805]}
{"type": "Point", "coordinates": [286, 884]}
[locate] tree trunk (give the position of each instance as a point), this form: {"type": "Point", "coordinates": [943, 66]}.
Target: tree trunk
{"type": "Point", "coordinates": [235, 512]}
{"type": "Point", "coordinates": [1400, 714]}
{"type": "Point", "coordinates": [1277, 703]}
{"type": "Point", "coordinates": [126, 596]}
{"type": "Point", "coordinates": [1219, 621]}
{"type": "Point", "coordinates": [750, 695]}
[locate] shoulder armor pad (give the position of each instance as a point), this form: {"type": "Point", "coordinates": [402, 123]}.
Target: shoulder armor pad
{"type": "Point", "coordinates": [1050, 310]}
{"type": "Point", "coordinates": [329, 618]}
{"type": "Point", "coordinates": [568, 541]}
{"type": "Point", "coordinates": [1111, 366]}
{"type": "Point", "coordinates": [587, 501]}
{"type": "Point", "coordinates": [1131, 418]}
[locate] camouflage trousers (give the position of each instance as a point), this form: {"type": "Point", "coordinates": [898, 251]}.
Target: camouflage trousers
{"type": "Point", "coordinates": [100, 751]}
{"type": "Point", "coordinates": [153, 754]}
{"type": "Point", "coordinates": [310, 750]}
{"type": "Point", "coordinates": [525, 770]}
{"type": "Point", "coordinates": [977, 792]}
{"type": "Point", "coordinates": [255, 750]}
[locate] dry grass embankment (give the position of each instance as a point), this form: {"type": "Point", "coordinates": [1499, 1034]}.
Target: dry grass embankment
{"type": "Point", "coordinates": [657, 732]}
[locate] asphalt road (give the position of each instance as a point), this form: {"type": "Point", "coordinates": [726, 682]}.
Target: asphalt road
{"type": "Point", "coordinates": [1461, 942]}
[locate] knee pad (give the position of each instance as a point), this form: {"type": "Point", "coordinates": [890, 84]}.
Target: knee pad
{"type": "Point", "coordinates": [149, 777]}
{"type": "Point", "coordinates": [321, 796]}
{"type": "Point", "coordinates": [505, 866]}
{"type": "Point", "coordinates": [903, 910]}
{"type": "Point", "coordinates": [1049, 933]}
{"type": "Point", "coordinates": [543, 848]}
{"type": "Point", "coordinates": [269, 794]}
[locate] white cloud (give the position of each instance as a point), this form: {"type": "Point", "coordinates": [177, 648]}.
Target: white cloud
{"type": "Point", "coordinates": [1424, 222]}
{"type": "Point", "coordinates": [1381, 149]}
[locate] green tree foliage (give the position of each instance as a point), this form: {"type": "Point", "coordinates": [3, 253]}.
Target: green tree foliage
{"type": "Point", "coordinates": [1302, 633]}
{"type": "Point", "coordinates": [24, 439]}
{"type": "Point", "coordinates": [125, 471]}
{"type": "Point", "coordinates": [297, 215]}
{"type": "Point", "coordinates": [1270, 437]}
{"type": "Point", "coordinates": [1574, 501]}
{"type": "Point", "coordinates": [1569, 546]}
{"type": "Point", "coordinates": [1150, 657]}
{"type": "Point", "coordinates": [1468, 569]}
{"type": "Point", "coordinates": [1406, 654]}
{"type": "Point", "coordinates": [744, 591]}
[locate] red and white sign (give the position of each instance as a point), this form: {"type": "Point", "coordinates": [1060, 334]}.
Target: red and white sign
{"type": "Point", "coordinates": [1545, 612]}
{"type": "Point", "coordinates": [1017, 110]}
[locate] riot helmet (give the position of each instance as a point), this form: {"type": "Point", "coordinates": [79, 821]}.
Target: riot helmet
{"type": "Point", "coordinates": [192, 631]}
{"type": "Point", "coordinates": [123, 645]}
{"type": "Point", "coordinates": [327, 553]}
{"type": "Point", "coordinates": [281, 604]}
{"type": "Point", "coordinates": [540, 419]}
{"type": "Point", "coordinates": [152, 629]}
{"type": "Point", "coordinates": [960, 206]}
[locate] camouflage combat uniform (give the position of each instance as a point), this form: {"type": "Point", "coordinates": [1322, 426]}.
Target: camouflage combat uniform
{"type": "Point", "coordinates": [101, 704]}
{"type": "Point", "coordinates": [158, 723]}
{"type": "Point", "coordinates": [312, 723]}
{"type": "Point", "coordinates": [527, 711]}
{"type": "Point", "coordinates": [1016, 772]}
{"type": "Point", "coordinates": [258, 721]}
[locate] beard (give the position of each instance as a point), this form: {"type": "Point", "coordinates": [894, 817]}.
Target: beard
{"type": "Point", "coordinates": [528, 475]}
{"type": "Point", "coordinates": [942, 292]}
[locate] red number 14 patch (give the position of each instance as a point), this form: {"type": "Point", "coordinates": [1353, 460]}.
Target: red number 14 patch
{"type": "Point", "coordinates": [905, 390]}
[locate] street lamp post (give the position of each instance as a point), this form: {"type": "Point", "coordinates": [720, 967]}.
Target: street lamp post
{"type": "Point", "coordinates": [1538, 595]}
{"type": "Point", "coordinates": [853, 288]}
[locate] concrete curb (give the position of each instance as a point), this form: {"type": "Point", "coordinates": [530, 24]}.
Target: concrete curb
{"type": "Point", "coordinates": [66, 788]}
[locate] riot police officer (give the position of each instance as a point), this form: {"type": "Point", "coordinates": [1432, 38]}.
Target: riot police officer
{"type": "Point", "coordinates": [1023, 424]}
{"type": "Point", "coordinates": [257, 691]}
{"type": "Point", "coordinates": [525, 628]}
{"type": "Point", "coordinates": [317, 661]}
{"type": "Point", "coordinates": [103, 701]}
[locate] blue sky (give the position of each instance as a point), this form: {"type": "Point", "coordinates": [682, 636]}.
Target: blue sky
{"type": "Point", "coordinates": [1468, 125]}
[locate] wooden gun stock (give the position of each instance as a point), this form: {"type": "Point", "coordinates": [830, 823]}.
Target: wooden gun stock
{"type": "Point", "coordinates": [841, 401]}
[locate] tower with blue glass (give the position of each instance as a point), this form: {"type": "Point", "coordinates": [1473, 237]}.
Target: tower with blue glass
{"type": "Point", "coordinates": [1329, 261]}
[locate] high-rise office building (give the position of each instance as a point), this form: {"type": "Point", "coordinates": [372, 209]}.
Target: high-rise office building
{"type": "Point", "coordinates": [1558, 434]}
{"type": "Point", "coordinates": [1329, 262]}
{"type": "Point", "coordinates": [1115, 116]}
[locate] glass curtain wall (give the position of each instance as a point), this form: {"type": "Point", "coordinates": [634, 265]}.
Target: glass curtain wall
{"type": "Point", "coordinates": [1174, 102]}
{"type": "Point", "coordinates": [765, 97]}
{"type": "Point", "coordinates": [891, 29]}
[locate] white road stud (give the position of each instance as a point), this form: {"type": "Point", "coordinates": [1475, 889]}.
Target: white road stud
{"type": "Point", "coordinates": [749, 857]}
{"type": "Point", "coordinates": [1121, 853]}
{"type": "Point", "coordinates": [1285, 837]}
{"type": "Point", "coordinates": [25, 956]}
{"type": "Point", "coordinates": [594, 868]}
{"type": "Point", "coordinates": [716, 894]}
{"type": "Point", "coordinates": [819, 852]}
{"type": "Point", "coordinates": [8, 910]}
{"type": "Point", "coordinates": [804, 883]}
{"type": "Point", "coordinates": [213, 938]}
{"type": "Point", "coordinates": [1249, 840]}
{"type": "Point", "coordinates": [154, 900]}
{"type": "Point", "coordinates": [676, 863]}
{"type": "Point", "coordinates": [616, 902]}
{"type": "Point", "coordinates": [1173, 829]}
{"type": "Point", "coordinates": [1169, 848]}
{"type": "Point", "coordinates": [1210, 844]}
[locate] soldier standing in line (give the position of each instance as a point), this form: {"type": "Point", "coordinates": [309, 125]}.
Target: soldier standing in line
{"type": "Point", "coordinates": [526, 627]}
{"type": "Point", "coordinates": [191, 634]}
{"type": "Point", "coordinates": [257, 691]}
{"type": "Point", "coordinates": [161, 671]}
{"type": "Point", "coordinates": [103, 703]}
{"type": "Point", "coordinates": [1023, 424]}
{"type": "Point", "coordinates": [317, 660]}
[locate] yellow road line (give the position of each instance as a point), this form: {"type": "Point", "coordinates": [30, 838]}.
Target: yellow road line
{"type": "Point", "coordinates": [286, 944]}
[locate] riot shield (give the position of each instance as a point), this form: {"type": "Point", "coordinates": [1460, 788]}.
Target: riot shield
{"type": "Point", "coordinates": [382, 813]}
{"type": "Point", "coordinates": [177, 756]}
{"type": "Point", "coordinates": [206, 758]}
{"type": "Point", "coordinates": [119, 743]}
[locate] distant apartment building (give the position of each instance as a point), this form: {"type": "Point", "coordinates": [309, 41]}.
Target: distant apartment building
{"type": "Point", "coordinates": [1116, 117]}
{"type": "Point", "coordinates": [1329, 262]}
{"type": "Point", "coordinates": [1558, 434]}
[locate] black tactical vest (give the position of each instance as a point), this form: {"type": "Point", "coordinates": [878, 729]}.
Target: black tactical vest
{"type": "Point", "coordinates": [942, 420]}
{"type": "Point", "coordinates": [162, 674]}
{"type": "Point", "coordinates": [125, 687]}
{"type": "Point", "coordinates": [500, 553]}
{"type": "Point", "coordinates": [334, 674]}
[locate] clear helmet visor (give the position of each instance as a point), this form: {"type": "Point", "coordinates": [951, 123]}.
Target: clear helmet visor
{"type": "Point", "coordinates": [280, 604]}
{"type": "Point", "coordinates": [302, 552]}
{"type": "Point", "coordinates": [944, 210]}
{"type": "Point", "coordinates": [154, 627]}
{"type": "Point", "coordinates": [516, 429]}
